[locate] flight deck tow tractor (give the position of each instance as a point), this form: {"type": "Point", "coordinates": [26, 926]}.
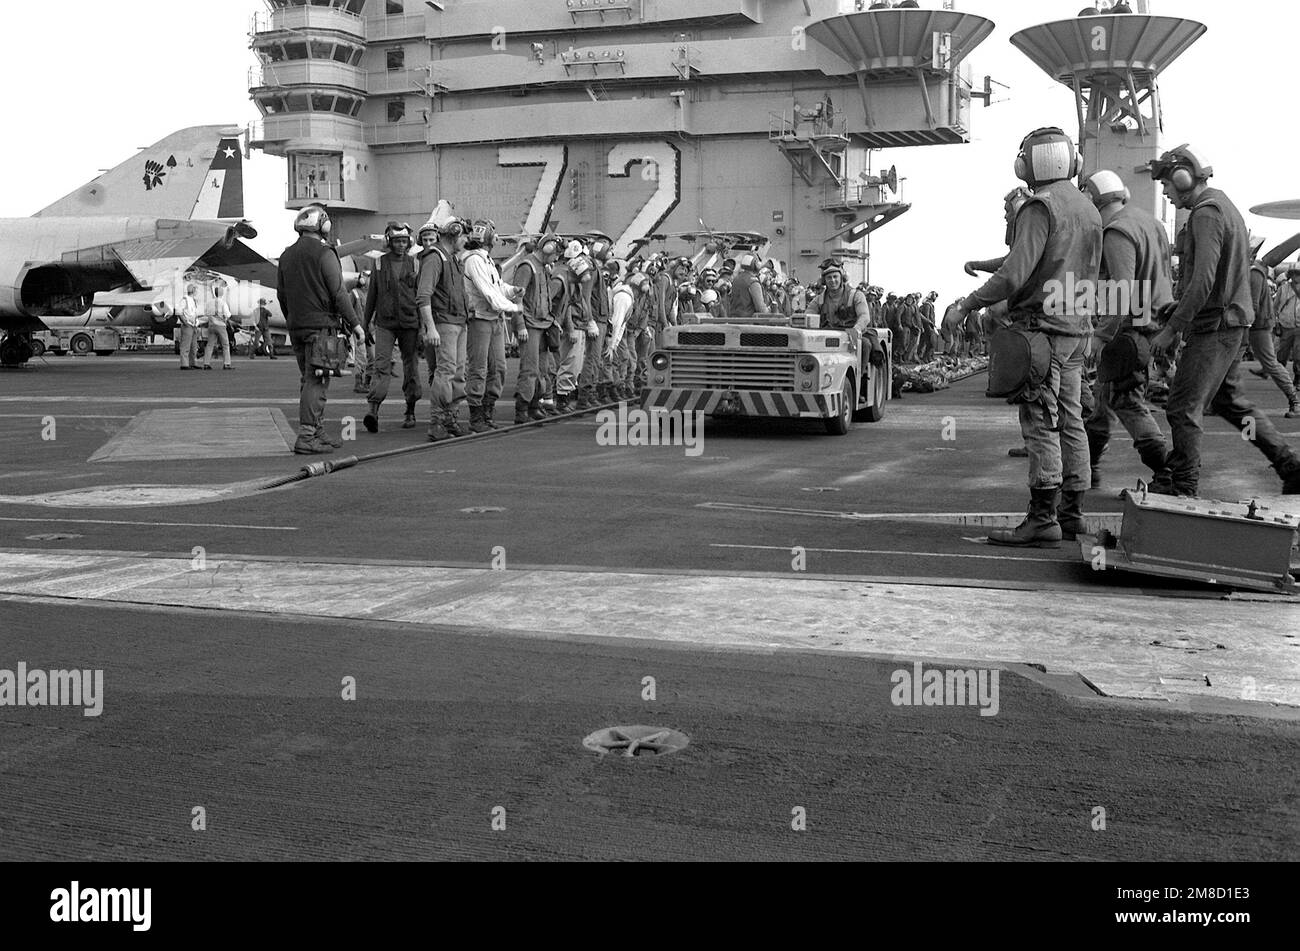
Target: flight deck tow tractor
{"type": "Point", "coordinates": [771, 366]}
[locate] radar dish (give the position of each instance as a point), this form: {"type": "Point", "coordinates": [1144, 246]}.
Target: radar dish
{"type": "Point", "coordinates": [1107, 43]}
{"type": "Point", "coordinates": [881, 40]}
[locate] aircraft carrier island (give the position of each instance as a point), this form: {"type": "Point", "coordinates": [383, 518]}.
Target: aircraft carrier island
{"type": "Point", "coordinates": [634, 118]}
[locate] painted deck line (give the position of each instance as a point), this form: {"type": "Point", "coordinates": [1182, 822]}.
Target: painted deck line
{"type": "Point", "coordinates": [1129, 646]}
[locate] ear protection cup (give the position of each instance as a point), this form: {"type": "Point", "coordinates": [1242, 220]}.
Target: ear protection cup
{"type": "Point", "coordinates": [1183, 180]}
{"type": "Point", "coordinates": [549, 245]}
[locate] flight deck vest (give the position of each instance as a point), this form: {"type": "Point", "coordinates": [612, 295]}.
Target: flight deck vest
{"type": "Point", "coordinates": [1072, 255]}
{"type": "Point", "coordinates": [1152, 275]}
{"type": "Point", "coordinates": [1229, 304]}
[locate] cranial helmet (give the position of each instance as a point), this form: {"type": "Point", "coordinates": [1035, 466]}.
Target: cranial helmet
{"type": "Point", "coordinates": [1105, 187]}
{"type": "Point", "coordinates": [576, 249]}
{"type": "Point", "coordinates": [1047, 155]}
{"type": "Point", "coordinates": [638, 282]}
{"type": "Point", "coordinates": [315, 219]}
{"type": "Point", "coordinates": [1183, 166]}
{"type": "Point", "coordinates": [484, 233]}
{"type": "Point", "coordinates": [394, 231]}
{"type": "Point", "coordinates": [748, 262]}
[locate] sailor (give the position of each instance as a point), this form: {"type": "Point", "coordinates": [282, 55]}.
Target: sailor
{"type": "Point", "coordinates": [1011, 205]}
{"type": "Point", "coordinates": [531, 278]}
{"type": "Point", "coordinates": [1135, 255]}
{"type": "Point", "coordinates": [1213, 315]}
{"type": "Point", "coordinates": [363, 358]}
{"type": "Point", "coordinates": [218, 330]}
{"type": "Point", "coordinates": [627, 294]}
{"type": "Point", "coordinates": [1057, 243]}
{"type": "Point", "coordinates": [1287, 307]}
{"type": "Point", "coordinates": [953, 333]}
{"type": "Point", "coordinates": [444, 313]}
{"type": "Point", "coordinates": [392, 318]}
{"type": "Point", "coordinates": [189, 314]}
{"type": "Point", "coordinates": [570, 307]}
{"type": "Point", "coordinates": [491, 302]}
{"type": "Point", "coordinates": [746, 298]}
{"type": "Point", "coordinates": [596, 383]}
{"type": "Point", "coordinates": [1264, 329]}
{"type": "Point", "coordinates": [261, 331]}
{"type": "Point", "coordinates": [843, 307]}
{"type": "Point", "coordinates": [313, 299]}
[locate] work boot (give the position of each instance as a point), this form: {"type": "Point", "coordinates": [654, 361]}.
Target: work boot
{"type": "Point", "coordinates": [1039, 529]}
{"type": "Point", "coordinates": [311, 446]}
{"type": "Point", "coordinates": [607, 393]}
{"type": "Point", "coordinates": [360, 386]}
{"type": "Point", "coordinates": [565, 404]}
{"type": "Point", "coordinates": [549, 408]}
{"type": "Point", "coordinates": [1289, 470]}
{"type": "Point", "coordinates": [521, 411]}
{"type": "Point", "coordinates": [1293, 412]}
{"type": "Point", "coordinates": [1019, 452]}
{"type": "Point", "coordinates": [1070, 515]}
{"type": "Point", "coordinates": [1096, 476]}
{"type": "Point", "coordinates": [371, 422]}
{"type": "Point", "coordinates": [1155, 458]}
{"type": "Point", "coordinates": [585, 398]}
{"type": "Point", "coordinates": [325, 439]}
{"type": "Point", "coordinates": [1259, 373]}
{"type": "Point", "coordinates": [409, 422]}
{"type": "Point", "coordinates": [477, 422]}
{"type": "Point", "coordinates": [490, 414]}
{"type": "Point", "coordinates": [453, 424]}
{"type": "Point", "coordinates": [438, 429]}
{"type": "Point", "coordinates": [535, 411]}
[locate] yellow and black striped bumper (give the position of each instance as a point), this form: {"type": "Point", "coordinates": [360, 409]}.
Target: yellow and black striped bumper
{"type": "Point", "coordinates": [743, 403]}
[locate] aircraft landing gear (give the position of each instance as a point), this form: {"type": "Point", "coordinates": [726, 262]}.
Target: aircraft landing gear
{"type": "Point", "coordinates": [16, 349]}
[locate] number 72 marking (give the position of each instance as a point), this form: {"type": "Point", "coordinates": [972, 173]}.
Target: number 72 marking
{"type": "Point", "coordinates": [660, 161]}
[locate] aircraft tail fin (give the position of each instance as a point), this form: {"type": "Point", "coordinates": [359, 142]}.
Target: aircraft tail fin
{"type": "Point", "coordinates": [194, 173]}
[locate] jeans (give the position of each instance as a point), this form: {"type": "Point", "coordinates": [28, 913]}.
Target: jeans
{"type": "Point", "coordinates": [218, 339]}
{"type": "Point", "coordinates": [448, 387]}
{"type": "Point", "coordinates": [405, 341]}
{"type": "Point", "coordinates": [1208, 378]}
{"type": "Point", "coordinates": [1053, 425]}
{"type": "Point", "coordinates": [1132, 412]}
{"type": "Point", "coordinates": [572, 358]}
{"type": "Point", "coordinates": [189, 344]}
{"type": "Point", "coordinates": [1288, 348]}
{"type": "Point", "coordinates": [529, 385]}
{"type": "Point", "coordinates": [486, 358]}
{"type": "Point", "coordinates": [1261, 344]}
{"type": "Point", "coordinates": [261, 337]}
{"type": "Point", "coordinates": [595, 368]}
{"type": "Point", "coordinates": [312, 390]}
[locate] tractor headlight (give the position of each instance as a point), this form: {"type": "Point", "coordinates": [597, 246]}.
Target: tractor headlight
{"type": "Point", "coordinates": [659, 361]}
{"type": "Point", "coordinates": [808, 365]}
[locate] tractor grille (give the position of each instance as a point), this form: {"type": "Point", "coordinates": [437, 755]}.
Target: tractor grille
{"type": "Point", "coordinates": [702, 339]}
{"type": "Point", "coordinates": [733, 370]}
{"type": "Point", "coordinates": [765, 340]}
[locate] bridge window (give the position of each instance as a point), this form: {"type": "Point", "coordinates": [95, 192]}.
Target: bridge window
{"type": "Point", "coordinates": [396, 59]}
{"type": "Point", "coordinates": [395, 8]}
{"type": "Point", "coordinates": [396, 110]}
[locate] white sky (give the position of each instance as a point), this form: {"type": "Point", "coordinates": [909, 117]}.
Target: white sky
{"type": "Point", "coordinates": [85, 92]}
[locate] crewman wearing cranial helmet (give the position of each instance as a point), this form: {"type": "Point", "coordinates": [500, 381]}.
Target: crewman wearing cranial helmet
{"type": "Point", "coordinates": [491, 303]}
{"type": "Point", "coordinates": [393, 318]}
{"type": "Point", "coordinates": [1213, 314]}
{"type": "Point", "coordinates": [1135, 256]}
{"type": "Point", "coordinates": [1057, 244]}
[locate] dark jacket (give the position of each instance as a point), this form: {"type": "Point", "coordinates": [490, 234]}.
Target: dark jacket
{"type": "Point", "coordinates": [740, 304]}
{"type": "Point", "coordinates": [531, 276]}
{"type": "Point", "coordinates": [1215, 268]}
{"type": "Point", "coordinates": [1265, 314]}
{"type": "Point", "coordinates": [390, 302]}
{"type": "Point", "coordinates": [309, 284]}
{"type": "Point", "coordinates": [441, 286]}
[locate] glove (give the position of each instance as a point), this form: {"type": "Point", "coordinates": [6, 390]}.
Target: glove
{"type": "Point", "coordinates": [592, 330]}
{"type": "Point", "coordinates": [575, 335]}
{"type": "Point", "coordinates": [970, 269]}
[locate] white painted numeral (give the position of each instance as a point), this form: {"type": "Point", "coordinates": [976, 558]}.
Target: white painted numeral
{"type": "Point", "coordinates": [668, 173]}
{"type": "Point", "coordinates": [554, 160]}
